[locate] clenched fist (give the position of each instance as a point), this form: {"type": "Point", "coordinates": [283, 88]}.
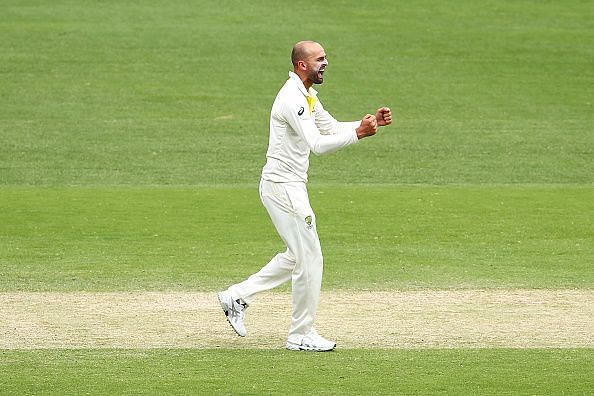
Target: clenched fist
{"type": "Point", "coordinates": [384, 116]}
{"type": "Point", "coordinates": [368, 126]}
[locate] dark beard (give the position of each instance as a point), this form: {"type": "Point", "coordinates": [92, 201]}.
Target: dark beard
{"type": "Point", "coordinates": [314, 77]}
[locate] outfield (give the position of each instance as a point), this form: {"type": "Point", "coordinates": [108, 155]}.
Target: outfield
{"type": "Point", "coordinates": [458, 242]}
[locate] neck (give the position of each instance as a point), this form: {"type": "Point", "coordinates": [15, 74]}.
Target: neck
{"type": "Point", "coordinates": [307, 83]}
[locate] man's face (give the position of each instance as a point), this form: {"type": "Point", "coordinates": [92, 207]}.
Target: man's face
{"type": "Point", "coordinates": [316, 64]}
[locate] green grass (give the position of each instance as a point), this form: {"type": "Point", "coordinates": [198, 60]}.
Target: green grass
{"type": "Point", "coordinates": [378, 237]}
{"type": "Point", "coordinates": [496, 371]}
{"type": "Point", "coordinates": [142, 93]}
{"type": "Point", "coordinates": [133, 135]}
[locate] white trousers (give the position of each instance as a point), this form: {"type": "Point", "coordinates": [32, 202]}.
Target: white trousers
{"type": "Point", "coordinates": [302, 262]}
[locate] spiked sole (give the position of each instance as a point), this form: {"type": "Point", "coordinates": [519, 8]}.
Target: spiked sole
{"type": "Point", "coordinates": [295, 347]}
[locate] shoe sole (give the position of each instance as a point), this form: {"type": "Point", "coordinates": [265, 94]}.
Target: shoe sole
{"type": "Point", "coordinates": [226, 312]}
{"type": "Point", "coordinates": [294, 347]}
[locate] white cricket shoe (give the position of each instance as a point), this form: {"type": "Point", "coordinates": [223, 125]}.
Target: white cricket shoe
{"type": "Point", "coordinates": [312, 342]}
{"type": "Point", "coordinates": [234, 311]}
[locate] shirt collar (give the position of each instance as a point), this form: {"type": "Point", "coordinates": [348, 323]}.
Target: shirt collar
{"type": "Point", "coordinates": [295, 77]}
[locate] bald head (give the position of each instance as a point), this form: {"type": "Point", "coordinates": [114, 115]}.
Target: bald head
{"type": "Point", "coordinates": [309, 62]}
{"type": "Point", "coordinates": [303, 50]}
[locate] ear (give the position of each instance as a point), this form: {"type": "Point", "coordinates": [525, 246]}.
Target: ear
{"type": "Point", "coordinates": [301, 65]}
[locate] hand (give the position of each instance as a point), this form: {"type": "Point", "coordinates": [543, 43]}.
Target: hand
{"type": "Point", "coordinates": [384, 116]}
{"type": "Point", "coordinates": [368, 126]}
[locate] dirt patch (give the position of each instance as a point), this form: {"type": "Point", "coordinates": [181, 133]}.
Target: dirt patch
{"type": "Point", "coordinates": [412, 319]}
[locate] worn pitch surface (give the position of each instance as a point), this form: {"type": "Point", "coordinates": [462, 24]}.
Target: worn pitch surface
{"type": "Point", "coordinates": [355, 319]}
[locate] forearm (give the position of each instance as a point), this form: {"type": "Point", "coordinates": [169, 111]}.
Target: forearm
{"type": "Point", "coordinates": [325, 144]}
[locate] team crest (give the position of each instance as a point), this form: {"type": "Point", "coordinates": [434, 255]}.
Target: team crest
{"type": "Point", "coordinates": [308, 221]}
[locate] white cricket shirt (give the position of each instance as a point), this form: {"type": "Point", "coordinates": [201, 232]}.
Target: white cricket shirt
{"type": "Point", "coordinates": [300, 125]}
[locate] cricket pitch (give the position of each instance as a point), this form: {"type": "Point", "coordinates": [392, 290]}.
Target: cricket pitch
{"type": "Point", "coordinates": [355, 319]}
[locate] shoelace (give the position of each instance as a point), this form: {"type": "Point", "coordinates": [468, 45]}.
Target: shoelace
{"type": "Point", "coordinates": [315, 338]}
